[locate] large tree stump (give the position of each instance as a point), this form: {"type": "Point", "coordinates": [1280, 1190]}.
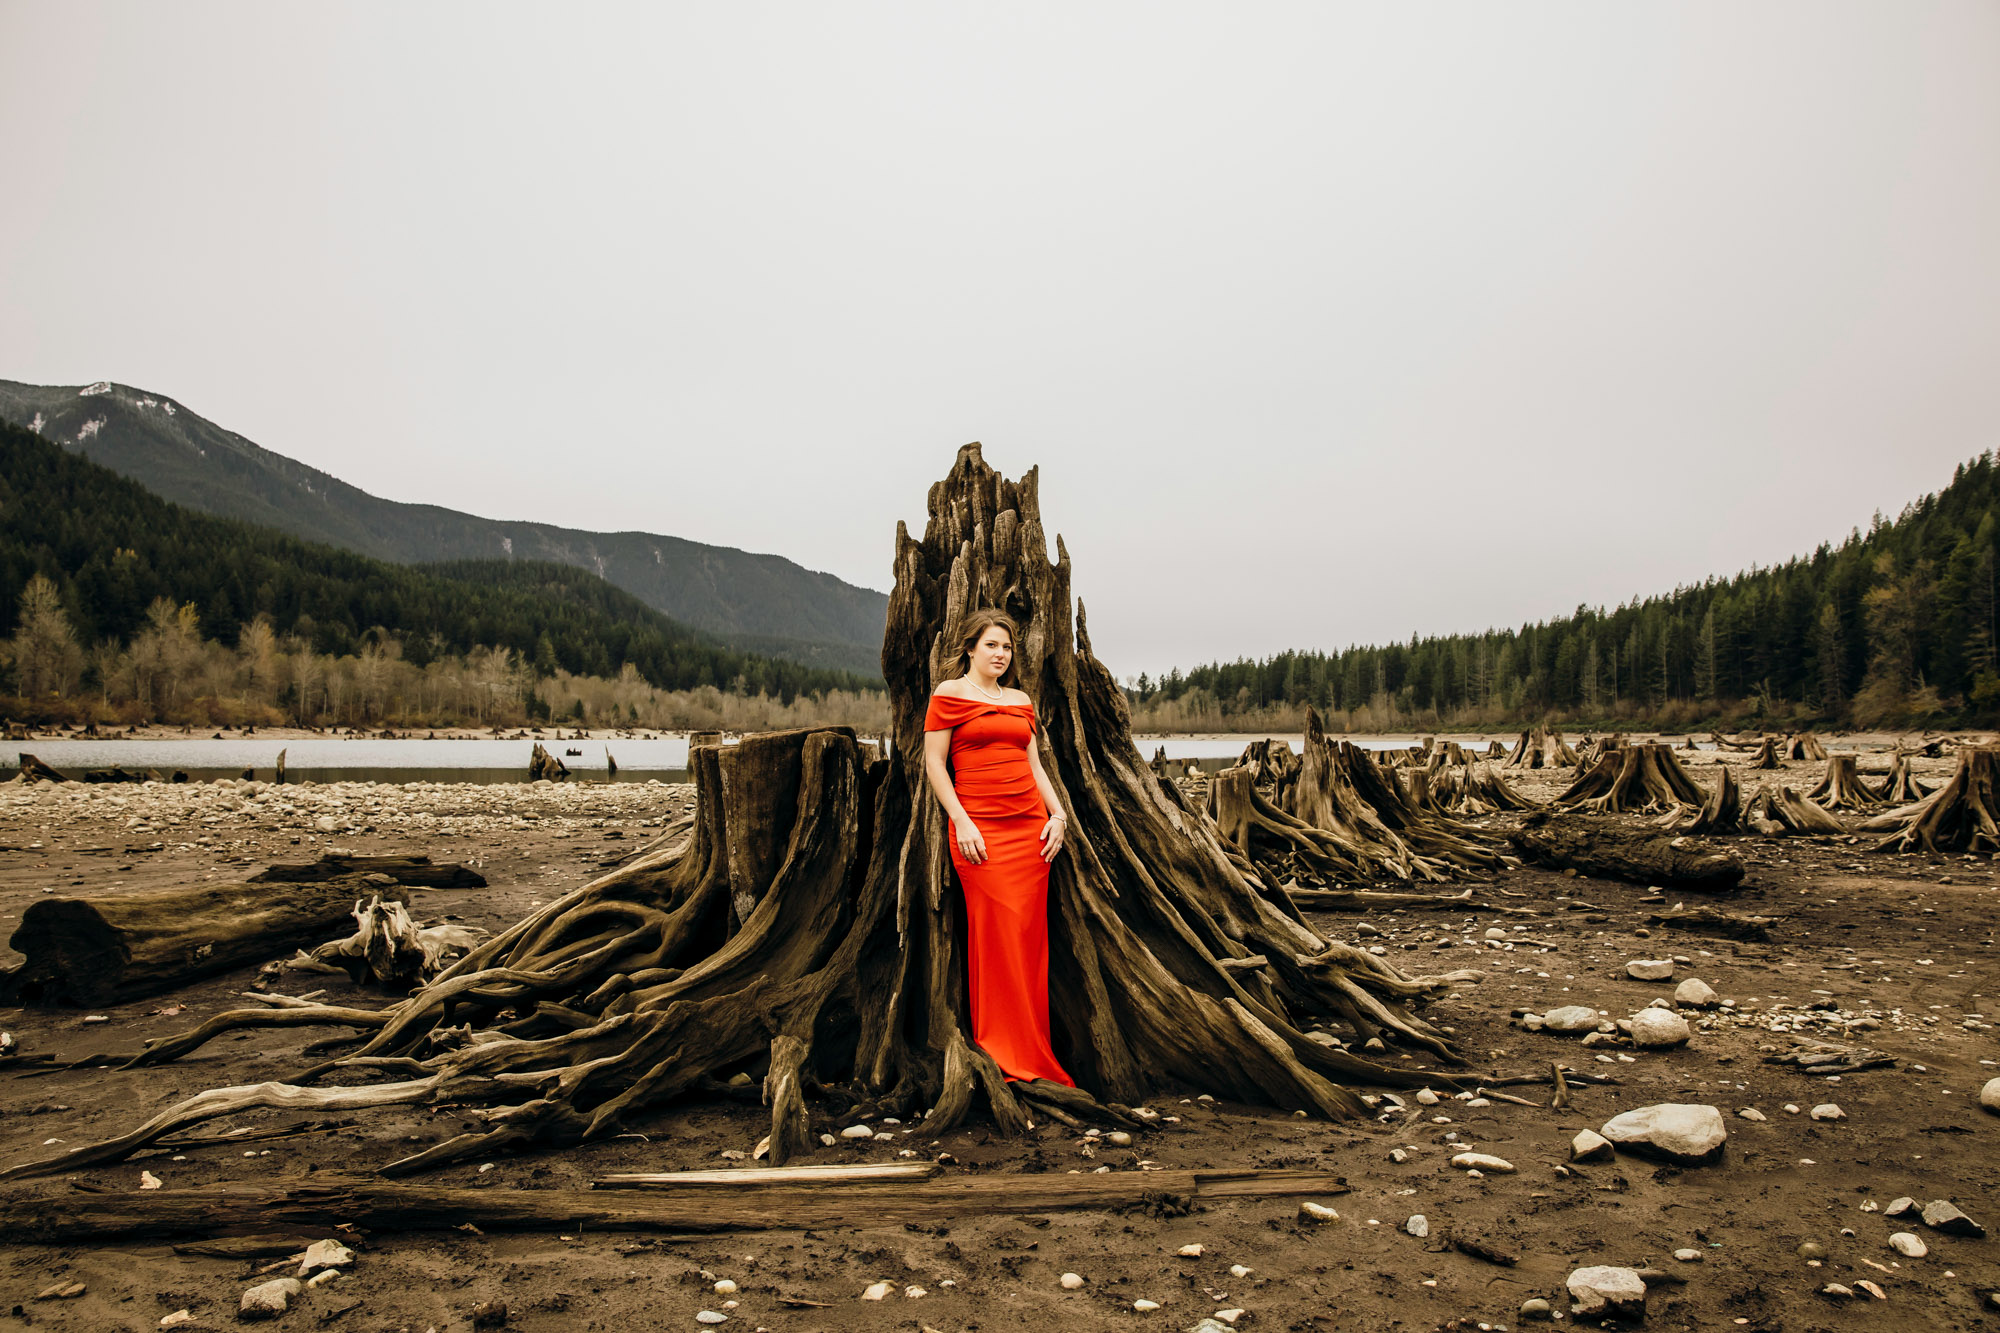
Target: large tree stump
{"type": "Point", "coordinates": [1901, 786]}
{"type": "Point", "coordinates": [1475, 790]}
{"type": "Point", "coordinates": [810, 931]}
{"type": "Point", "coordinates": [1634, 777]}
{"type": "Point", "coordinates": [1721, 812]}
{"type": "Point", "coordinates": [119, 947]}
{"type": "Point", "coordinates": [1843, 787]}
{"type": "Point", "coordinates": [1541, 748]}
{"type": "Point", "coordinates": [1961, 816]}
{"type": "Point", "coordinates": [1803, 745]}
{"type": "Point", "coordinates": [1605, 853]}
{"type": "Point", "coordinates": [34, 770]}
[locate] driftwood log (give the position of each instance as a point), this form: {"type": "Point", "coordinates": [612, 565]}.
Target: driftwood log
{"type": "Point", "coordinates": [119, 947]}
{"type": "Point", "coordinates": [1633, 777]}
{"type": "Point", "coordinates": [1961, 816]}
{"type": "Point", "coordinates": [545, 767]}
{"type": "Point", "coordinates": [1775, 810]}
{"type": "Point", "coordinates": [373, 1205]}
{"type": "Point", "coordinates": [1604, 853]}
{"type": "Point", "coordinates": [417, 871]}
{"type": "Point", "coordinates": [810, 933]}
{"type": "Point", "coordinates": [34, 770]}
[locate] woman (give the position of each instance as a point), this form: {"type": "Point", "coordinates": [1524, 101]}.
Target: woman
{"type": "Point", "coordinates": [1006, 827]}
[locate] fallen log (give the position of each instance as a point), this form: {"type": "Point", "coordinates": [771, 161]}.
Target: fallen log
{"type": "Point", "coordinates": [419, 871]}
{"type": "Point", "coordinates": [740, 1177]}
{"type": "Point", "coordinates": [1720, 925]}
{"type": "Point", "coordinates": [1602, 853]}
{"type": "Point", "coordinates": [219, 1210]}
{"type": "Point", "coordinates": [120, 947]}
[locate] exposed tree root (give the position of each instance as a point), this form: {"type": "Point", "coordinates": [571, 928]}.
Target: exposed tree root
{"type": "Point", "coordinates": [1961, 816]}
{"type": "Point", "coordinates": [1843, 787]}
{"type": "Point", "coordinates": [1777, 810]}
{"type": "Point", "coordinates": [1541, 748]}
{"type": "Point", "coordinates": [1721, 812]}
{"type": "Point", "coordinates": [1634, 777]}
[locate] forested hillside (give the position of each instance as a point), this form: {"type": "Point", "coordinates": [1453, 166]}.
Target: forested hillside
{"type": "Point", "coordinates": [97, 574]}
{"type": "Point", "coordinates": [1892, 627]}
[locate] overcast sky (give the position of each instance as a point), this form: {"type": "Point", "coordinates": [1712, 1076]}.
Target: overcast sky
{"type": "Point", "coordinates": [1327, 323]}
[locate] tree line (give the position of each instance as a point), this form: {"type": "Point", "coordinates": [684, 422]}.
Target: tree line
{"type": "Point", "coordinates": [1894, 627]}
{"type": "Point", "coordinates": [133, 604]}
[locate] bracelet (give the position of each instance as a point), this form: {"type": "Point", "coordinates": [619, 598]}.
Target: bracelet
{"type": "Point", "coordinates": [1064, 818]}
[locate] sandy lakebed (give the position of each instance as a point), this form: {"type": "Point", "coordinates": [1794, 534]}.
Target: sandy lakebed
{"type": "Point", "coordinates": [1893, 952]}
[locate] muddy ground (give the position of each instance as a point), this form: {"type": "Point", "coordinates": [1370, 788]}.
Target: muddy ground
{"type": "Point", "coordinates": [1894, 952]}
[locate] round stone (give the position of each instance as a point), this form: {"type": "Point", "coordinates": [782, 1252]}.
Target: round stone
{"type": "Point", "coordinates": [1660, 1028]}
{"type": "Point", "coordinates": [1812, 1249]}
{"type": "Point", "coordinates": [1989, 1096]}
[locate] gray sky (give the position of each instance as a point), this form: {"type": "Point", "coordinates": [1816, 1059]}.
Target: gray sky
{"type": "Point", "coordinates": [1327, 322]}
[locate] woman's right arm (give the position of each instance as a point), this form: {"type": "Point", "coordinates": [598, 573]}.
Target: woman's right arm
{"type": "Point", "coordinates": [937, 751]}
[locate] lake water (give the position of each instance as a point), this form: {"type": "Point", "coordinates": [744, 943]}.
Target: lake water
{"type": "Point", "coordinates": [325, 759]}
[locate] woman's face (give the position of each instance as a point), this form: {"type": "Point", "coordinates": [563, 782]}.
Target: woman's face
{"type": "Point", "coordinates": [994, 651]}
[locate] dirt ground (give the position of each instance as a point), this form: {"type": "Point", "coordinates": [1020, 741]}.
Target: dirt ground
{"type": "Point", "coordinates": [1894, 952]}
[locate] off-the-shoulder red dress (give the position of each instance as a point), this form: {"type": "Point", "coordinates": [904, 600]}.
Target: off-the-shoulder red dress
{"type": "Point", "coordinates": [1007, 894]}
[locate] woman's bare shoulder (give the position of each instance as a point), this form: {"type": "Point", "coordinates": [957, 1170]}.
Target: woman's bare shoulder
{"type": "Point", "coordinates": [1015, 696]}
{"type": "Point", "coordinates": [950, 689]}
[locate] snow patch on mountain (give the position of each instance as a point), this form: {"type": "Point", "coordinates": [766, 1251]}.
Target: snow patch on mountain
{"type": "Point", "coordinates": [37, 424]}
{"type": "Point", "coordinates": [89, 428]}
{"type": "Point", "coordinates": [507, 545]}
{"type": "Point", "coordinates": [92, 390]}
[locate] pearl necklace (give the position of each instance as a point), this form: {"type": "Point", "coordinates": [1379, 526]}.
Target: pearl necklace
{"type": "Point", "coordinates": [983, 690]}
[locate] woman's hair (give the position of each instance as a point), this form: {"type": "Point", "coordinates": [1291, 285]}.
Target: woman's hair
{"type": "Point", "coordinates": [976, 626]}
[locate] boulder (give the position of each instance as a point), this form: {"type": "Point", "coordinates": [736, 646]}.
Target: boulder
{"type": "Point", "coordinates": [268, 1300]}
{"type": "Point", "coordinates": [1942, 1215]}
{"type": "Point", "coordinates": [1606, 1291]}
{"type": "Point", "coordinates": [1660, 1028]}
{"type": "Point", "coordinates": [1989, 1096]}
{"type": "Point", "coordinates": [1695, 993]}
{"type": "Point", "coordinates": [1677, 1131]}
{"type": "Point", "coordinates": [1570, 1018]}
{"type": "Point", "coordinates": [1650, 969]}
{"type": "Point", "coordinates": [1590, 1146]}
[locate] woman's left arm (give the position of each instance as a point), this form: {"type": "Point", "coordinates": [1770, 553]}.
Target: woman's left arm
{"type": "Point", "coordinates": [1057, 825]}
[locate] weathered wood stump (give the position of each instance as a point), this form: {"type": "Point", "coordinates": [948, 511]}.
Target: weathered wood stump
{"type": "Point", "coordinates": [1539, 747]}
{"type": "Point", "coordinates": [1605, 853]}
{"type": "Point", "coordinates": [1961, 816]}
{"type": "Point", "coordinates": [545, 767]}
{"type": "Point", "coordinates": [1776, 810]}
{"type": "Point", "coordinates": [1767, 755]}
{"type": "Point", "coordinates": [119, 947]}
{"type": "Point", "coordinates": [34, 770]}
{"type": "Point", "coordinates": [1633, 777]}
{"type": "Point", "coordinates": [1803, 745]}
{"type": "Point", "coordinates": [1721, 812]}
{"type": "Point", "coordinates": [1843, 787]}
{"type": "Point", "coordinates": [1901, 786]}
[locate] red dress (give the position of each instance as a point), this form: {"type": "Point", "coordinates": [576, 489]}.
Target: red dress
{"type": "Point", "coordinates": [1007, 894]}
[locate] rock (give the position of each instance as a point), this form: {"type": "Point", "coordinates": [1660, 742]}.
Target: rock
{"type": "Point", "coordinates": [1657, 1028]}
{"type": "Point", "coordinates": [1941, 1215]}
{"type": "Point", "coordinates": [324, 1254]}
{"type": "Point", "coordinates": [1688, 1256]}
{"type": "Point", "coordinates": [1606, 1291]}
{"type": "Point", "coordinates": [1536, 1308]}
{"type": "Point", "coordinates": [857, 1132]}
{"type": "Point", "coordinates": [1811, 1250]}
{"type": "Point", "coordinates": [1872, 1290]}
{"type": "Point", "coordinates": [1570, 1018]}
{"type": "Point", "coordinates": [878, 1291]}
{"type": "Point", "coordinates": [1650, 969]}
{"type": "Point", "coordinates": [1908, 1245]}
{"type": "Point", "coordinates": [62, 1291]}
{"type": "Point", "coordinates": [1070, 1281]}
{"type": "Point", "coordinates": [1751, 1113]}
{"type": "Point", "coordinates": [1828, 1111]}
{"type": "Point", "coordinates": [324, 1276]}
{"type": "Point", "coordinates": [148, 1181]}
{"type": "Point", "coordinates": [1836, 1289]}
{"type": "Point", "coordinates": [1696, 994]}
{"type": "Point", "coordinates": [1479, 1161]}
{"type": "Point", "coordinates": [711, 1317]}
{"type": "Point", "coordinates": [1118, 1138]}
{"type": "Point", "coordinates": [828, 1140]}
{"type": "Point", "coordinates": [1418, 1226]}
{"type": "Point", "coordinates": [1317, 1214]}
{"type": "Point", "coordinates": [1899, 1206]}
{"type": "Point", "coordinates": [1191, 1251]}
{"type": "Point", "coordinates": [268, 1300]}
{"type": "Point", "coordinates": [177, 1318]}
{"type": "Point", "coordinates": [1591, 1146]}
{"type": "Point", "coordinates": [1989, 1096]}
{"type": "Point", "coordinates": [486, 1314]}
{"type": "Point", "coordinates": [1425, 1097]}
{"type": "Point", "coordinates": [1678, 1131]}
{"type": "Point", "coordinates": [1145, 1307]}
{"type": "Point", "coordinates": [724, 1287]}
{"type": "Point", "coordinates": [1239, 1271]}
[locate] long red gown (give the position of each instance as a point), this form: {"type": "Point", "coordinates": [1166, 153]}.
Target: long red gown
{"type": "Point", "coordinates": [1007, 894]}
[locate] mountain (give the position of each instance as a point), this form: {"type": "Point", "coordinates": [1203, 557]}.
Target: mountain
{"type": "Point", "coordinates": [760, 603]}
{"type": "Point", "coordinates": [111, 547]}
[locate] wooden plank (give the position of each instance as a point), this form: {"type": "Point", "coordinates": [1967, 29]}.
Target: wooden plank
{"type": "Point", "coordinates": [221, 1210]}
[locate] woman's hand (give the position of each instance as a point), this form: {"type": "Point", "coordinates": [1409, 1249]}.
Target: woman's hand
{"type": "Point", "coordinates": [1052, 836]}
{"type": "Point", "coordinates": [971, 845]}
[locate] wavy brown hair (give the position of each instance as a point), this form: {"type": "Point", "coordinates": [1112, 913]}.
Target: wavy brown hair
{"type": "Point", "coordinates": [976, 625]}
